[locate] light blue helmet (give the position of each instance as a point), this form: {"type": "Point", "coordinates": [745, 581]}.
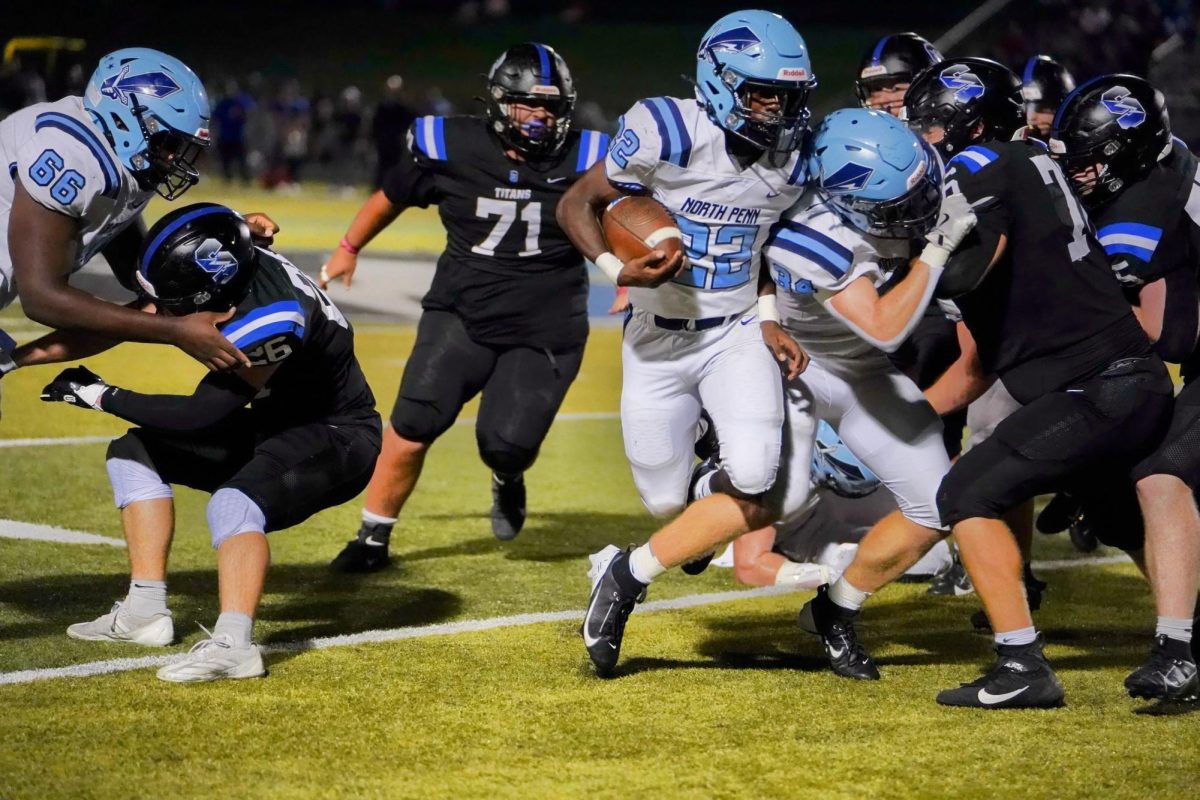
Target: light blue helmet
{"type": "Point", "coordinates": [755, 51]}
{"type": "Point", "coordinates": [877, 174]}
{"type": "Point", "coordinates": [836, 468]}
{"type": "Point", "coordinates": [155, 112]}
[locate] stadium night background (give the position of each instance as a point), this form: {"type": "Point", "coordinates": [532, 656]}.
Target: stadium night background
{"type": "Point", "coordinates": [457, 670]}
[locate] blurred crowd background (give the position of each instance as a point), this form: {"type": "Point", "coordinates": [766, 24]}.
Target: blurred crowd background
{"type": "Point", "coordinates": [313, 91]}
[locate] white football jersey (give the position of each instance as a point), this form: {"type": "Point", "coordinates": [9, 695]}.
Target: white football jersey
{"type": "Point", "coordinates": [813, 254]}
{"type": "Point", "coordinates": [669, 148]}
{"type": "Point", "coordinates": [65, 163]}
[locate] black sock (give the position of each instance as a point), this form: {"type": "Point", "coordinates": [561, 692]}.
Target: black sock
{"type": "Point", "coordinates": [624, 578]}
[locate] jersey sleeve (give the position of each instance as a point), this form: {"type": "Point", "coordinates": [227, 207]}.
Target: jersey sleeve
{"type": "Point", "coordinates": [1131, 229]}
{"type": "Point", "coordinates": [634, 154]}
{"type": "Point", "coordinates": [808, 257]}
{"type": "Point", "coordinates": [268, 332]}
{"type": "Point", "coordinates": [64, 166]}
{"type": "Point", "coordinates": [410, 183]}
{"type": "Point", "coordinates": [978, 174]}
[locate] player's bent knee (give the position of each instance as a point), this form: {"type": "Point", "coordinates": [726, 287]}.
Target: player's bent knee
{"type": "Point", "coordinates": [420, 422]}
{"type": "Point", "coordinates": [132, 473]}
{"type": "Point", "coordinates": [231, 512]}
{"type": "Point", "coordinates": [505, 457]}
{"type": "Point", "coordinates": [662, 507]}
{"type": "Point", "coordinates": [956, 503]}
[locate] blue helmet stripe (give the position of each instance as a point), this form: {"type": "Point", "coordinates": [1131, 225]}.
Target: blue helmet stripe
{"type": "Point", "coordinates": [77, 130]}
{"type": "Point", "coordinates": [875, 56]}
{"type": "Point", "coordinates": [1067, 100]}
{"type": "Point", "coordinates": [545, 59]}
{"type": "Point", "coordinates": [1027, 75]}
{"type": "Point", "coordinates": [174, 226]}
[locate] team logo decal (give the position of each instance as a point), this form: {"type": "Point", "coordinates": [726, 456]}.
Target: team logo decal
{"type": "Point", "coordinates": [1127, 109]}
{"type": "Point", "coordinates": [733, 42]}
{"type": "Point", "coordinates": [155, 84]}
{"type": "Point", "coordinates": [849, 177]}
{"type": "Point", "coordinates": [966, 84]}
{"type": "Point", "coordinates": [214, 259]}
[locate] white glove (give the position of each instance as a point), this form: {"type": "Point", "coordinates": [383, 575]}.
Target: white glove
{"type": "Point", "coordinates": [955, 221]}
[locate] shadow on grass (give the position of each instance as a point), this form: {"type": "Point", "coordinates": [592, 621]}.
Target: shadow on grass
{"type": "Point", "coordinates": [307, 599]}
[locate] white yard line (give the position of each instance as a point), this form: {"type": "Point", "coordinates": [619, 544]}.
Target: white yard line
{"type": "Point", "coordinates": [58, 441]}
{"type": "Point", "coordinates": [11, 529]}
{"type": "Point", "coordinates": [109, 666]}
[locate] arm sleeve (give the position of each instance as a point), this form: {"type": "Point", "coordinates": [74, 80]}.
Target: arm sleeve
{"type": "Point", "coordinates": [635, 151]}
{"type": "Point", "coordinates": [65, 168]}
{"type": "Point", "coordinates": [217, 396]}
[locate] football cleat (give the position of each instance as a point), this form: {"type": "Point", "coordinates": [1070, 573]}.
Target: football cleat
{"type": "Point", "coordinates": [214, 659]}
{"type": "Point", "coordinates": [952, 581]}
{"type": "Point", "coordinates": [365, 553]}
{"type": "Point", "coordinates": [847, 657]}
{"type": "Point", "coordinates": [608, 610]}
{"type": "Point", "coordinates": [119, 625]}
{"type": "Point", "coordinates": [1170, 674]}
{"type": "Point", "coordinates": [508, 506]}
{"type": "Point", "coordinates": [1020, 678]}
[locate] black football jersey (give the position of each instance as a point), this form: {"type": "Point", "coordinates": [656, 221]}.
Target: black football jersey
{"type": "Point", "coordinates": [509, 271]}
{"type": "Point", "coordinates": [285, 319]}
{"type": "Point", "coordinates": [1151, 231]}
{"type": "Point", "coordinates": [1050, 312]}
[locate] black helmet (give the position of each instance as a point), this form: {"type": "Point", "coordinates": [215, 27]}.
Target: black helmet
{"type": "Point", "coordinates": [197, 258]}
{"type": "Point", "coordinates": [530, 74]}
{"type": "Point", "coordinates": [896, 58]}
{"type": "Point", "coordinates": [1117, 124]}
{"type": "Point", "coordinates": [1045, 83]}
{"type": "Point", "coordinates": [960, 94]}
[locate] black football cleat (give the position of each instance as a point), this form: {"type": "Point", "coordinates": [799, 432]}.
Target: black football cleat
{"type": "Point", "coordinates": [508, 506]}
{"type": "Point", "coordinates": [1058, 514]}
{"type": "Point", "coordinates": [952, 581]}
{"type": "Point", "coordinates": [1082, 535]}
{"type": "Point", "coordinates": [366, 553]}
{"type": "Point", "coordinates": [847, 657]}
{"type": "Point", "coordinates": [1170, 674]}
{"type": "Point", "coordinates": [609, 609]}
{"type": "Point", "coordinates": [1020, 678]}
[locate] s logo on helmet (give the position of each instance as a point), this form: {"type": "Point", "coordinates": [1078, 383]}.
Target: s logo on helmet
{"type": "Point", "coordinates": [1127, 109]}
{"type": "Point", "coordinates": [966, 84]}
{"type": "Point", "coordinates": [154, 84]}
{"type": "Point", "coordinates": [216, 261]}
{"type": "Point", "coordinates": [733, 42]}
{"type": "Point", "coordinates": [849, 177]}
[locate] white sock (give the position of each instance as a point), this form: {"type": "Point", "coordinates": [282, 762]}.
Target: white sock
{"type": "Point", "coordinates": [378, 519]}
{"type": "Point", "coordinates": [802, 576]}
{"type": "Point", "coordinates": [844, 594]}
{"type": "Point", "coordinates": [146, 598]}
{"type": "Point", "coordinates": [1018, 637]}
{"type": "Point", "coordinates": [238, 625]}
{"type": "Point", "coordinates": [1179, 628]}
{"type": "Point", "coordinates": [643, 564]}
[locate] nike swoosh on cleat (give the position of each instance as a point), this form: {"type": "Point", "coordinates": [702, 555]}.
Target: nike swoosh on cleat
{"type": "Point", "coordinates": [989, 699]}
{"type": "Point", "coordinates": [834, 652]}
{"type": "Point", "coordinates": [588, 640]}
{"type": "Point", "coordinates": [371, 541]}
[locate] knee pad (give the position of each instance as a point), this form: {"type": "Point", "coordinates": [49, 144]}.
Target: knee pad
{"type": "Point", "coordinates": [663, 507]}
{"type": "Point", "coordinates": [132, 473]}
{"type": "Point", "coordinates": [504, 457]}
{"type": "Point", "coordinates": [231, 512]}
{"type": "Point", "coordinates": [750, 467]}
{"type": "Point", "coordinates": [419, 421]}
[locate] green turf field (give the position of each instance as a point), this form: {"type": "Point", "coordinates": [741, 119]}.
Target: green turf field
{"type": "Point", "coordinates": [725, 700]}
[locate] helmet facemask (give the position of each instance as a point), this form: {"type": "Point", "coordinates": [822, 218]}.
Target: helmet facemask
{"type": "Point", "coordinates": [167, 165]}
{"type": "Point", "coordinates": [780, 127]}
{"type": "Point", "coordinates": [538, 135]}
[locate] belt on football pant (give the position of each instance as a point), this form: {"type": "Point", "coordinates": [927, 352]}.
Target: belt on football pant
{"type": "Point", "coordinates": [708, 323]}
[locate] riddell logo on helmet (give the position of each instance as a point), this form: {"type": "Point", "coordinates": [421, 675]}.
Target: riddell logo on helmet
{"type": "Point", "coordinates": [873, 70]}
{"type": "Point", "coordinates": [550, 90]}
{"type": "Point", "coordinates": [792, 74]}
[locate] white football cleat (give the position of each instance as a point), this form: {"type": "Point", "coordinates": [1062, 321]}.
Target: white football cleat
{"type": "Point", "coordinates": [119, 625]}
{"type": "Point", "coordinates": [213, 659]}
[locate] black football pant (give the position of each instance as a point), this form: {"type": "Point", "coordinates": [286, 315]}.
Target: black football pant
{"type": "Point", "coordinates": [522, 388]}
{"type": "Point", "coordinates": [1179, 453]}
{"type": "Point", "coordinates": [1085, 440]}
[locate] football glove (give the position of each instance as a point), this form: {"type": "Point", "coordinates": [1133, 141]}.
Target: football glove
{"type": "Point", "coordinates": [78, 386]}
{"type": "Point", "coordinates": [955, 221]}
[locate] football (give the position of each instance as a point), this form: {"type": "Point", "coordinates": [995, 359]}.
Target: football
{"type": "Point", "coordinates": [633, 226]}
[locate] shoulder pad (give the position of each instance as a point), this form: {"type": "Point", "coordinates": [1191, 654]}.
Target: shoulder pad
{"type": "Point", "coordinates": [974, 158]}
{"type": "Point", "coordinates": [89, 140]}
{"type": "Point", "coordinates": [592, 147]}
{"type": "Point", "coordinates": [675, 143]}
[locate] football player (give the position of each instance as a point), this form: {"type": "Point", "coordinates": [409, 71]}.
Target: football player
{"type": "Point", "coordinates": [308, 441]}
{"type": "Point", "coordinates": [1045, 83]}
{"type": "Point", "coordinates": [726, 164]}
{"type": "Point", "coordinates": [1047, 317]}
{"type": "Point", "coordinates": [878, 187]}
{"type": "Point", "coordinates": [79, 173]}
{"type": "Point", "coordinates": [507, 312]}
{"type": "Point", "coordinates": [889, 66]}
{"type": "Point", "coordinates": [1142, 193]}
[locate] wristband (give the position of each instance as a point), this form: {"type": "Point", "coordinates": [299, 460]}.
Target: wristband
{"type": "Point", "coordinates": [768, 308]}
{"type": "Point", "coordinates": [610, 265]}
{"type": "Point", "coordinates": [349, 248]}
{"type": "Point", "coordinates": [935, 256]}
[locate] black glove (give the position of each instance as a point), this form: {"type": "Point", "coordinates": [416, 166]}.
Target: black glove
{"type": "Point", "coordinates": [78, 386]}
